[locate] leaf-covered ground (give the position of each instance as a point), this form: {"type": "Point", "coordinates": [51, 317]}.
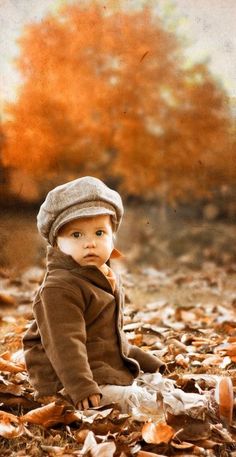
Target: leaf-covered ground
{"type": "Point", "coordinates": [182, 309]}
{"type": "Point", "coordinates": [186, 317]}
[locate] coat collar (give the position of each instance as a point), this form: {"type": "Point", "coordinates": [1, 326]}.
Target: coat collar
{"type": "Point", "coordinates": [57, 259]}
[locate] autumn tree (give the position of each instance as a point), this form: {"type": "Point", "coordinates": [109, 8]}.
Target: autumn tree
{"type": "Point", "coordinates": [106, 93]}
{"type": "Point", "coordinates": [3, 171]}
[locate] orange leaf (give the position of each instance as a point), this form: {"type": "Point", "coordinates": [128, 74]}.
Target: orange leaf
{"type": "Point", "coordinates": [182, 445]}
{"type": "Point", "coordinates": [157, 433]}
{"type": "Point", "coordinates": [47, 416]}
{"type": "Point", "coordinates": [226, 399]}
{"type": "Point", "coordinates": [7, 365]}
{"type": "Point", "coordinates": [6, 299]}
{"type": "Point", "coordinates": [148, 454]}
{"type": "Point", "coordinates": [231, 350]}
{"type": "Point", "coordinates": [10, 425]}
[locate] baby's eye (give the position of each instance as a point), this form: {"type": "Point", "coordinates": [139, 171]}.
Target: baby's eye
{"type": "Point", "coordinates": [99, 232]}
{"type": "Point", "coordinates": [76, 234]}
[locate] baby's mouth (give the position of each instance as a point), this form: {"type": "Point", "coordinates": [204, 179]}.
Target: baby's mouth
{"type": "Point", "coordinates": [87, 256]}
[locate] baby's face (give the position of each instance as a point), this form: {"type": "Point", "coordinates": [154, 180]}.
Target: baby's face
{"type": "Point", "coordinates": [88, 240]}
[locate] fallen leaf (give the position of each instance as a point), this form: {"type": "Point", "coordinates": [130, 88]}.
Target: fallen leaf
{"type": "Point", "coordinates": [222, 434]}
{"type": "Point", "coordinates": [188, 428]}
{"type": "Point", "coordinates": [225, 398]}
{"type": "Point", "coordinates": [10, 425]}
{"type": "Point", "coordinates": [182, 361]}
{"type": "Point", "coordinates": [97, 450]}
{"type": "Point", "coordinates": [53, 450]}
{"type": "Point", "coordinates": [157, 433]}
{"type": "Point", "coordinates": [231, 350]}
{"type": "Point", "coordinates": [11, 388]}
{"type": "Point", "coordinates": [6, 299]}
{"type": "Point", "coordinates": [182, 445]}
{"type": "Point", "coordinates": [47, 416]}
{"type": "Point", "coordinates": [149, 454]}
{"type": "Point", "coordinates": [103, 449]}
{"type": "Point", "coordinates": [212, 361]}
{"type": "Point", "coordinates": [6, 355]}
{"type": "Point", "coordinates": [7, 365]}
{"type": "Point", "coordinates": [81, 435]}
{"type": "Point", "coordinates": [209, 444]}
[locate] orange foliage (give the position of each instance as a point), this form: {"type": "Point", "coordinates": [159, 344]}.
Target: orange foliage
{"type": "Point", "coordinates": [106, 93]}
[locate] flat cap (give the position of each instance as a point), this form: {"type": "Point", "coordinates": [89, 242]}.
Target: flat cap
{"type": "Point", "coordinates": [83, 197]}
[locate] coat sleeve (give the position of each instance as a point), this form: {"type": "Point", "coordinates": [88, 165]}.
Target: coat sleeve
{"type": "Point", "coordinates": [60, 318]}
{"type": "Point", "coordinates": [147, 362]}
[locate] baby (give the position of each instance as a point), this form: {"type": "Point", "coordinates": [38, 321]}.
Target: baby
{"type": "Point", "coordinates": [75, 345]}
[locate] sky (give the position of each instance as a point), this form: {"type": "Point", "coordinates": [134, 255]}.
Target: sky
{"type": "Point", "coordinates": [208, 25]}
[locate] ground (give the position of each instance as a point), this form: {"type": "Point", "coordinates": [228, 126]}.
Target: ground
{"type": "Point", "coordinates": [180, 304]}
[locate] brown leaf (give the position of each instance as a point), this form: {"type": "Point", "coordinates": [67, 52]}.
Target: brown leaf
{"type": "Point", "coordinates": [189, 428]}
{"type": "Point", "coordinates": [6, 299]}
{"type": "Point", "coordinates": [6, 355]}
{"type": "Point", "coordinates": [231, 350]}
{"type": "Point", "coordinates": [54, 450]}
{"type": "Point", "coordinates": [97, 450]}
{"type": "Point", "coordinates": [103, 449]}
{"type": "Point", "coordinates": [11, 388]}
{"type": "Point", "coordinates": [182, 361]}
{"type": "Point", "coordinates": [149, 454]}
{"type": "Point", "coordinates": [208, 444]}
{"type": "Point", "coordinates": [182, 445]}
{"type": "Point", "coordinates": [81, 435]}
{"type": "Point", "coordinates": [47, 416]}
{"type": "Point", "coordinates": [10, 425]}
{"type": "Point", "coordinates": [157, 432]}
{"type": "Point", "coordinates": [7, 365]}
{"type": "Point", "coordinates": [15, 401]}
{"type": "Point", "coordinates": [212, 361]}
{"type": "Point", "coordinates": [226, 399]}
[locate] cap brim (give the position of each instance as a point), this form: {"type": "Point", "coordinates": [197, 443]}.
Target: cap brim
{"type": "Point", "coordinates": [79, 213]}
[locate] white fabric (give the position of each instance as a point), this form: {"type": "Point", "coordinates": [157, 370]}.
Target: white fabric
{"type": "Point", "coordinates": [127, 396]}
{"type": "Point", "coordinates": [149, 393]}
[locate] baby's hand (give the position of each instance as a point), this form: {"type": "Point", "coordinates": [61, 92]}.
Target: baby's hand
{"type": "Point", "coordinates": [92, 400]}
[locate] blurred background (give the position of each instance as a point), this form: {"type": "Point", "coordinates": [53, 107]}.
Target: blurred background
{"type": "Point", "coordinates": [141, 94]}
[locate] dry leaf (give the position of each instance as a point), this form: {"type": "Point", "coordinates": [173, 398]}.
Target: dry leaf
{"type": "Point", "coordinates": [6, 299]}
{"type": "Point", "coordinates": [47, 416]}
{"type": "Point", "coordinates": [6, 355]}
{"type": "Point", "coordinates": [231, 350]}
{"type": "Point", "coordinates": [10, 425]}
{"type": "Point", "coordinates": [157, 433]}
{"type": "Point", "coordinates": [103, 449]}
{"type": "Point", "coordinates": [208, 444]}
{"type": "Point", "coordinates": [182, 445]}
{"type": "Point", "coordinates": [7, 365]}
{"type": "Point", "coordinates": [11, 388]}
{"type": "Point", "coordinates": [188, 428]}
{"type": "Point", "coordinates": [81, 435]}
{"type": "Point", "coordinates": [53, 450]}
{"type": "Point", "coordinates": [149, 454]}
{"type": "Point", "coordinates": [212, 361]}
{"type": "Point", "coordinates": [182, 361]}
{"type": "Point", "coordinates": [225, 395]}
{"type": "Point", "coordinates": [98, 450]}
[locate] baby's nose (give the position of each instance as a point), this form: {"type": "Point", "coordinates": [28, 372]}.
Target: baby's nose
{"type": "Point", "coordinates": [90, 243]}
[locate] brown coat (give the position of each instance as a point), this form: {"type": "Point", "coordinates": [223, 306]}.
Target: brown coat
{"type": "Point", "coordinates": [76, 340]}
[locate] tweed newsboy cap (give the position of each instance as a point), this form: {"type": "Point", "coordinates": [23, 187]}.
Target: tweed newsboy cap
{"type": "Point", "coordinates": [83, 197]}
